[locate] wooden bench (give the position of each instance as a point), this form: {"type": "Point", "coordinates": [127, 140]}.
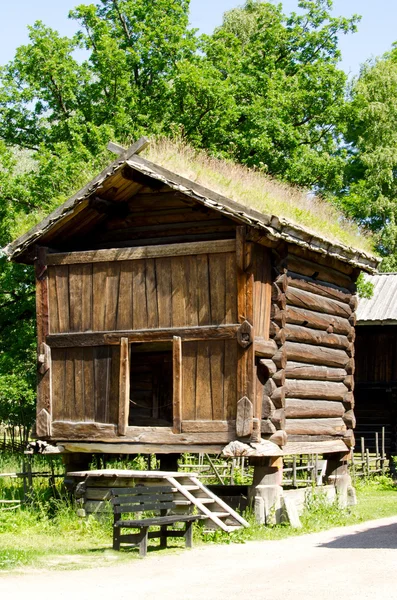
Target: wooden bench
{"type": "Point", "coordinates": [141, 499]}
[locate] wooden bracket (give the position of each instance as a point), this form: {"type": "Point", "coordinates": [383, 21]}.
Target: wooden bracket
{"type": "Point", "coordinates": [41, 262]}
{"type": "Point", "coordinates": [43, 424]}
{"type": "Point", "coordinates": [248, 255]}
{"type": "Point", "coordinates": [245, 417]}
{"type": "Point", "coordinates": [244, 249]}
{"type": "Point", "coordinates": [245, 334]}
{"type": "Point", "coordinates": [44, 358]}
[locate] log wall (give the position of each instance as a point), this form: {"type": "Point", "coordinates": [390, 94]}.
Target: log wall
{"type": "Point", "coordinates": [309, 394]}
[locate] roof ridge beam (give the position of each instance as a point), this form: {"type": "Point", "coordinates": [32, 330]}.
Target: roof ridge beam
{"type": "Point", "coordinates": [125, 153]}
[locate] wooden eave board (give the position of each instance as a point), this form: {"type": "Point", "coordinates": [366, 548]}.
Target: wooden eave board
{"type": "Point", "coordinates": [273, 227]}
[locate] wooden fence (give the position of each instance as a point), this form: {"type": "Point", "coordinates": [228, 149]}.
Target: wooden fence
{"type": "Point", "coordinates": [216, 468]}
{"type": "Point", "coordinates": [27, 474]}
{"type": "Point", "coordinates": [365, 463]}
{"type": "Point", "coordinates": [298, 470]}
{"type": "Point", "coordinates": [13, 439]}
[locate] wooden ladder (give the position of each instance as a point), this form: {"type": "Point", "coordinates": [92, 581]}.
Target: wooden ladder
{"type": "Point", "coordinates": [209, 504]}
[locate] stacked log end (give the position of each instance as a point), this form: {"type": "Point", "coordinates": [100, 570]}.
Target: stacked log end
{"type": "Point", "coordinates": [273, 422]}
{"type": "Point", "coordinates": [306, 370]}
{"type": "Point", "coordinates": [313, 321]}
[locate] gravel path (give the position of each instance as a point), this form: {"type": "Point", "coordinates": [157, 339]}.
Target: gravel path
{"type": "Point", "coordinates": [355, 562]}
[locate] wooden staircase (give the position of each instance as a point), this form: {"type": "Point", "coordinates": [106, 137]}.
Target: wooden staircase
{"type": "Point", "coordinates": [191, 492]}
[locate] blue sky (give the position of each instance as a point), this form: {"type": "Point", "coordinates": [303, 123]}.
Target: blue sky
{"type": "Point", "coordinates": [377, 30]}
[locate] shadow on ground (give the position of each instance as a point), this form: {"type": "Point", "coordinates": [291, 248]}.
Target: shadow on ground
{"type": "Point", "coordinates": [377, 537]}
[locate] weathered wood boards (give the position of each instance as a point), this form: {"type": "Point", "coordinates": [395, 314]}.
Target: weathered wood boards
{"type": "Point", "coordinates": [151, 293]}
{"type": "Point", "coordinates": [209, 376]}
{"type": "Point", "coordinates": [85, 384]}
{"type": "Point", "coordinates": [138, 253]}
{"type": "Point", "coordinates": [189, 294]}
{"type": "Point", "coordinates": [216, 305]}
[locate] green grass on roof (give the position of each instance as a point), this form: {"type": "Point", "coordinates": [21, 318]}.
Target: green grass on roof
{"type": "Point", "coordinates": [259, 191]}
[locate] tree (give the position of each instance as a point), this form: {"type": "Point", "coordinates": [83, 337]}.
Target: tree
{"type": "Point", "coordinates": [57, 115]}
{"type": "Point", "coordinates": [369, 193]}
{"type": "Point", "coordinates": [264, 89]}
{"type": "Point", "coordinates": [267, 91]}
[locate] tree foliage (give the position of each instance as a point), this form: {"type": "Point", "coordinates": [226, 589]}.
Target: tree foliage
{"type": "Point", "coordinates": [264, 89]}
{"type": "Point", "coordinates": [369, 193]}
{"type": "Point", "coordinates": [267, 91]}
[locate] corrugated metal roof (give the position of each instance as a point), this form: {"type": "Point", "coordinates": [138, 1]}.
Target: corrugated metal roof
{"type": "Point", "coordinates": [383, 304]}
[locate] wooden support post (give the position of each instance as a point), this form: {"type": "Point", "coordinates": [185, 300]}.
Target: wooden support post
{"type": "Point", "coordinates": [143, 541]}
{"type": "Point", "coordinates": [353, 467]}
{"type": "Point", "coordinates": [383, 451]}
{"type": "Point", "coordinates": [163, 536]}
{"type": "Point", "coordinates": [76, 461]}
{"type": "Point", "coordinates": [245, 308]}
{"type": "Point", "coordinates": [189, 534]}
{"type": "Point", "coordinates": [267, 484]}
{"type": "Point", "coordinates": [362, 455]}
{"type": "Point", "coordinates": [124, 387]}
{"type": "Point", "coordinates": [294, 471]}
{"type": "Point", "coordinates": [338, 473]}
{"type": "Point", "coordinates": [44, 390]}
{"type": "Point", "coordinates": [377, 451]}
{"type": "Point", "coordinates": [177, 384]}
{"type": "Point", "coordinates": [169, 462]}
{"type": "Point", "coordinates": [215, 470]}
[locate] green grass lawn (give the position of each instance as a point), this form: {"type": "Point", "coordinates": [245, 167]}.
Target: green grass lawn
{"type": "Point", "coordinates": [48, 534]}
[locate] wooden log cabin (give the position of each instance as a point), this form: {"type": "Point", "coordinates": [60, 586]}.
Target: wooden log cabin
{"type": "Point", "coordinates": [376, 364]}
{"type": "Point", "coordinates": [172, 319]}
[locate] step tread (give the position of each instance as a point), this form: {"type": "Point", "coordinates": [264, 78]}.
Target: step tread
{"type": "Point", "coordinates": [189, 488]}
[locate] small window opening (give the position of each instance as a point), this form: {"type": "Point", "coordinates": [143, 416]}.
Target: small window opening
{"type": "Point", "coordinates": [151, 385]}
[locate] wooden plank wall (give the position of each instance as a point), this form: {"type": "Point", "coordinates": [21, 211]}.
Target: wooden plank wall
{"type": "Point", "coordinates": [313, 324]}
{"type": "Point", "coordinates": [152, 217]}
{"type": "Point", "coordinates": [376, 354]}
{"type": "Point", "coordinates": [209, 380]}
{"type": "Point", "coordinates": [376, 384]}
{"type": "Point", "coordinates": [143, 294]}
{"type": "Point", "coordinates": [85, 384]}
